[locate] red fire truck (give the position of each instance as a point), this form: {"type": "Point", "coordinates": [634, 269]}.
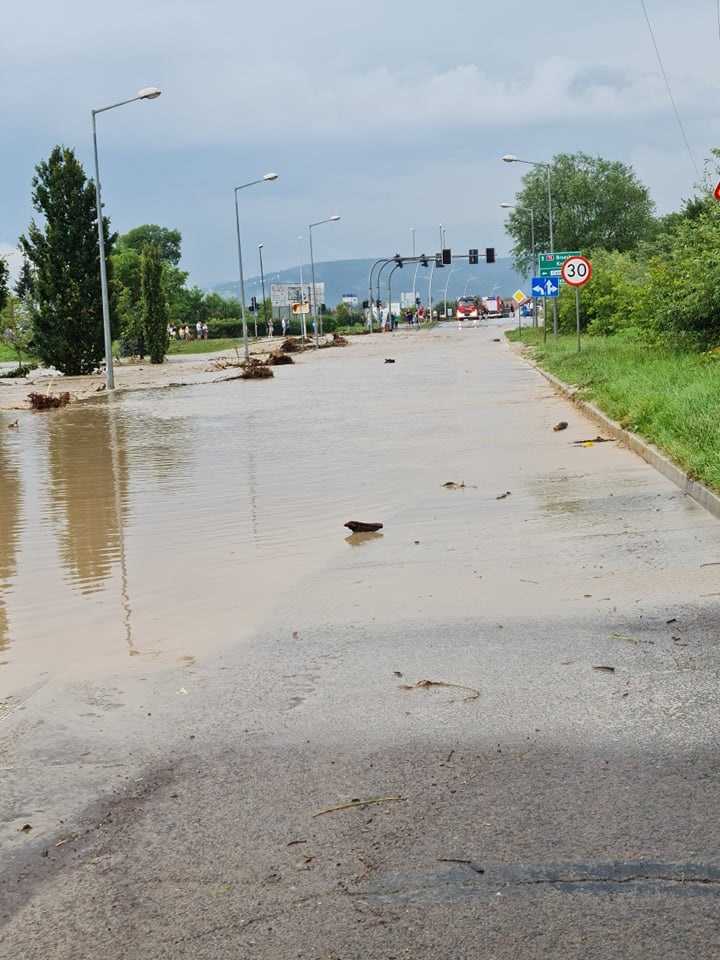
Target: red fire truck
{"type": "Point", "coordinates": [467, 308]}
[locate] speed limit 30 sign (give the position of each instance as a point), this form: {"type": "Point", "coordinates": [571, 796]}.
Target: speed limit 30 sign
{"type": "Point", "coordinates": [576, 271]}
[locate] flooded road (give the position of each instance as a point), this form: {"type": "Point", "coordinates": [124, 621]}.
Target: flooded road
{"type": "Point", "coordinates": [189, 634]}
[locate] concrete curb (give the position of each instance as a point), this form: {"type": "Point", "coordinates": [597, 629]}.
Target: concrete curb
{"type": "Point", "coordinates": [701, 494]}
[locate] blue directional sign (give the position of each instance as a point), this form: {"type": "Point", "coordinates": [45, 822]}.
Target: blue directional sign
{"type": "Point", "coordinates": [545, 286]}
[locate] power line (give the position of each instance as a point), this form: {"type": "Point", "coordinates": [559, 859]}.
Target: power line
{"type": "Point", "coordinates": [667, 84]}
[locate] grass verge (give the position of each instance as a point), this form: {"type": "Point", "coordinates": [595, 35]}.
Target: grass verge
{"type": "Point", "coordinates": [670, 398]}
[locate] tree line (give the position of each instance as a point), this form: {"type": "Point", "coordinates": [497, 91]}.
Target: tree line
{"type": "Point", "coordinates": [653, 277]}
{"type": "Point", "coordinates": [55, 309]}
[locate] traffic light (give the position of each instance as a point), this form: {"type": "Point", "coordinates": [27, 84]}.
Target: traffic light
{"type": "Point", "coordinates": [418, 301]}
{"type": "Point", "coordinates": [438, 260]}
{"type": "Point", "coordinates": [398, 259]}
{"type": "Point", "coordinates": [378, 303]}
{"type": "Point", "coordinates": [447, 257]}
{"type": "Point", "coordinates": [489, 254]}
{"type": "Point", "coordinates": [473, 256]}
{"type": "Point", "coordinates": [424, 260]}
{"type": "Point", "coordinates": [366, 305]}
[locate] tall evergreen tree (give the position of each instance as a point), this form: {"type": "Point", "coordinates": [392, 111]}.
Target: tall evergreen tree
{"type": "Point", "coordinates": [154, 303]}
{"type": "Point", "coordinates": [4, 277]}
{"type": "Point", "coordinates": [67, 307]}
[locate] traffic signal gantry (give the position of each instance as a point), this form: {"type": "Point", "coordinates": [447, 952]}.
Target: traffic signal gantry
{"type": "Point", "coordinates": [442, 259]}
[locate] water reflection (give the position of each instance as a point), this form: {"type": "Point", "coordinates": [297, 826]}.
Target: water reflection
{"type": "Point", "coordinates": [88, 477]}
{"type": "Point", "coordinates": [9, 527]}
{"type": "Point", "coordinates": [358, 539]}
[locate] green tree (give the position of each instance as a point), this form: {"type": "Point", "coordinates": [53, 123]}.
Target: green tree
{"type": "Point", "coordinates": [67, 313]}
{"type": "Point", "coordinates": [15, 327]}
{"type": "Point", "coordinates": [611, 300]}
{"type": "Point", "coordinates": [128, 282]}
{"type": "Point", "coordinates": [154, 303]}
{"type": "Point", "coordinates": [169, 241]}
{"type": "Point", "coordinates": [596, 204]}
{"type": "Point", "coordinates": [24, 287]}
{"type": "Point", "coordinates": [4, 277]}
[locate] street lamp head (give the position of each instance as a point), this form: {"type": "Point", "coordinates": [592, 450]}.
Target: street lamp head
{"type": "Point", "coordinates": [260, 246]}
{"type": "Point", "coordinates": [270, 176]}
{"type": "Point", "coordinates": [149, 93]}
{"type": "Point", "coordinates": [334, 217]}
{"type": "Point", "coordinates": [507, 206]}
{"type": "Point", "coordinates": [510, 158]}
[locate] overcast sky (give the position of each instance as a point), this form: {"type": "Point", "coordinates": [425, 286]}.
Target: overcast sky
{"type": "Point", "coordinates": [393, 115]}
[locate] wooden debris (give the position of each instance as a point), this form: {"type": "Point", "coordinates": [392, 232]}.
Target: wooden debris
{"type": "Point", "coordinates": [277, 358]}
{"type": "Point", "coordinates": [427, 684]}
{"type": "Point", "coordinates": [358, 803]}
{"type": "Point", "coordinates": [254, 369]}
{"type": "Point", "coordinates": [389, 360]}
{"type": "Point", "coordinates": [337, 341]}
{"type": "Point", "coordinates": [47, 401]}
{"type": "Point", "coordinates": [357, 526]}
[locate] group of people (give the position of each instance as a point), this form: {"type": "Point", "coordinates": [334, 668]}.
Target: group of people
{"type": "Point", "coordinates": [184, 333]}
{"type": "Point", "coordinates": [389, 321]}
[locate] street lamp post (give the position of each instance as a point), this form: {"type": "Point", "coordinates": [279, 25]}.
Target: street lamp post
{"type": "Point", "coordinates": [268, 176]}
{"type": "Point", "coordinates": [447, 284]}
{"type": "Point", "coordinates": [149, 93]}
{"type": "Point", "coordinates": [511, 158]}
{"type": "Point", "coordinates": [510, 206]}
{"type": "Point", "coordinates": [262, 284]}
{"type": "Point", "coordinates": [332, 219]}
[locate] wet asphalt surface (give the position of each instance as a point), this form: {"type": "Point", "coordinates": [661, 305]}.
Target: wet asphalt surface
{"type": "Point", "coordinates": [530, 705]}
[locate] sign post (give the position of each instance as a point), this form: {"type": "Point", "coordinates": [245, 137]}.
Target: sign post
{"type": "Point", "coordinates": [576, 271]}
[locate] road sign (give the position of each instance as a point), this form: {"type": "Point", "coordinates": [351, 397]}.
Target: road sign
{"type": "Point", "coordinates": [545, 286]}
{"type": "Point", "coordinates": [576, 271]}
{"type": "Point", "coordinates": [550, 264]}
{"type": "Point", "coordinates": [716, 192]}
{"type": "Point", "coordinates": [519, 296]}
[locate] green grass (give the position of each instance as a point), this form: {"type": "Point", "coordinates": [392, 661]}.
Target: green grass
{"type": "Point", "coordinates": [192, 347]}
{"type": "Point", "coordinates": [670, 398]}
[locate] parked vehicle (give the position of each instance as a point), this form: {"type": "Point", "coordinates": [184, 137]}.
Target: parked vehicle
{"type": "Point", "coordinates": [467, 308]}
{"type": "Point", "coordinates": [492, 307]}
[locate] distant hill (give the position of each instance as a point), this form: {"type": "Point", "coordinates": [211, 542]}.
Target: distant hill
{"type": "Point", "coordinates": [350, 277]}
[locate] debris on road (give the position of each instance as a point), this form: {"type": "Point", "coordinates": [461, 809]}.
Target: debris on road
{"type": "Point", "coordinates": [358, 803]}
{"type": "Point", "coordinates": [357, 526]}
{"type": "Point", "coordinates": [427, 684]}
{"type": "Point", "coordinates": [501, 496]}
{"type": "Point", "coordinates": [47, 401]}
{"type": "Point", "coordinates": [562, 425]}
{"type": "Point", "coordinates": [590, 443]}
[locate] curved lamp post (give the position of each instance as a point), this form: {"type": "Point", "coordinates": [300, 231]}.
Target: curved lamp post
{"type": "Point", "coordinates": [268, 176]}
{"type": "Point", "coordinates": [149, 93]}
{"type": "Point", "coordinates": [332, 219]}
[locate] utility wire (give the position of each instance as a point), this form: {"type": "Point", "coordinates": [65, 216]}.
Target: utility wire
{"type": "Point", "coordinates": [667, 83]}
